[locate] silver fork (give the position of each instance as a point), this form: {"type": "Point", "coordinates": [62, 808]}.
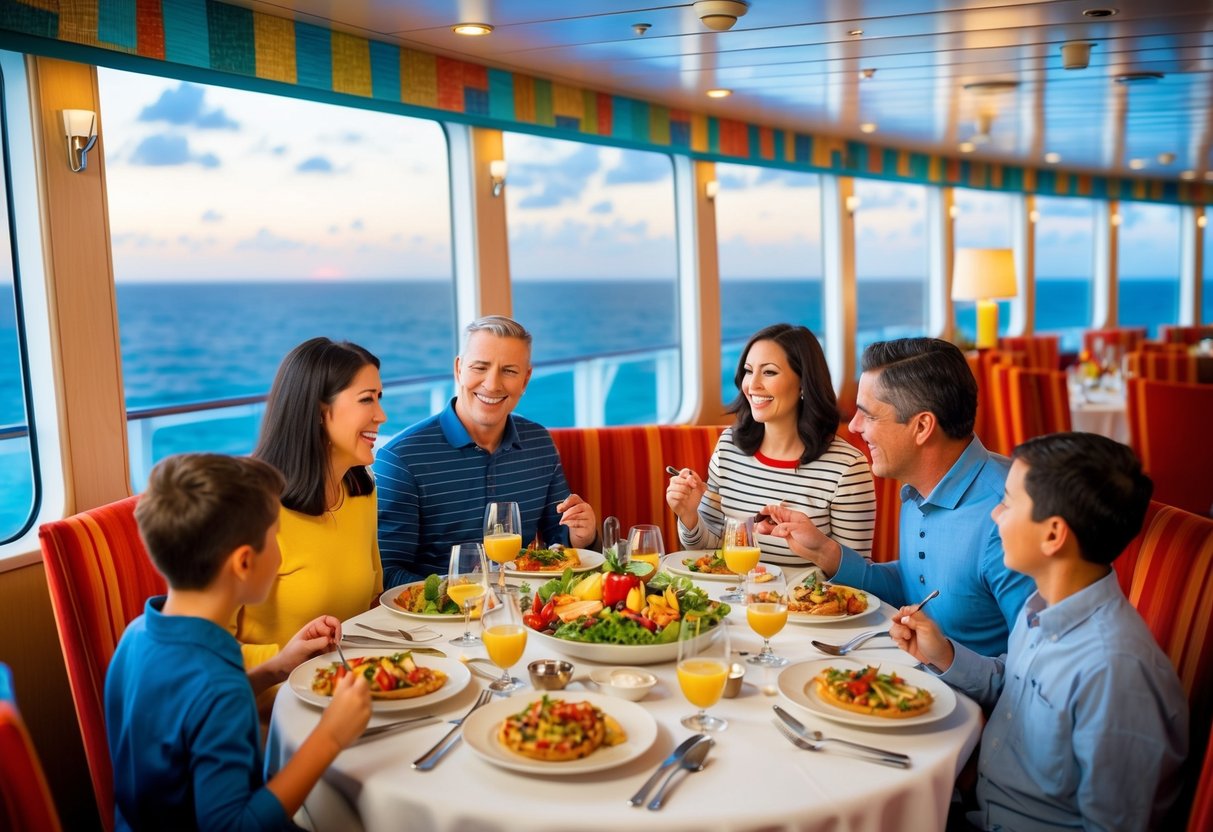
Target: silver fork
{"type": "Point", "coordinates": [430, 758]}
{"type": "Point", "coordinates": [809, 746]}
{"type": "Point", "coordinates": [404, 634]}
{"type": "Point", "coordinates": [843, 649]}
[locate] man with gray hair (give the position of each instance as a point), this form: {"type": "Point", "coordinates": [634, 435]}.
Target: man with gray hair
{"type": "Point", "coordinates": [916, 405]}
{"type": "Point", "coordinates": [435, 478]}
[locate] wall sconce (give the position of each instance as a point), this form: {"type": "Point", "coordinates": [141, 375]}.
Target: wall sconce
{"type": "Point", "coordinates": [497, 169]}
{"type": "Point", "coordinates": [80, 127]}
{"type": "Point", "coordinates": [1202, 221]}
{"type": "Point", "coordinates": [983, 274]}
{"type": "Point", "coordinates": [953, 212]}
{"type": "Point", "coordinates": [1116, 219]}
{"type": "Point", "coordinates": [710, 189]}
{"type": "Point", "coordinates": [852, 204]}
{"type": "Point", "coordinates": [1033, 216]}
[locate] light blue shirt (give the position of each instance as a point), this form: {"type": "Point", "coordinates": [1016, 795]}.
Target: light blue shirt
{"type": "Point", "coordinates": [949, 542]}
{"type": "Point", "coordinates": [1091, 725]}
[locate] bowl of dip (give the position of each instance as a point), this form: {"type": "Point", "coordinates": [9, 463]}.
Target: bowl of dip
{"type": "Point", "coordinates": [631, 683]}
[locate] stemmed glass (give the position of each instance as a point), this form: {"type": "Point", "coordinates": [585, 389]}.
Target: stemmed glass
{"type": "Point", "coordinates": [646, 546]}
{"type": "Point", "coordinates": [703, 669]}
{"type": "Point", "coordinates": [504, 638]}
{"type": "Point", "coordinates": [467, 581]}
{"type": "Point", "coordinates": [740, 552]}
{"type": "Point", "coordinates": [502, 536]}
{"type": "Point", "coordinates": [767, 612]}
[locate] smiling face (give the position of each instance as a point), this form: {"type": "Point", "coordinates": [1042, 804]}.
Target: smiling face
{"type": "Point", "coordinates": [490, 378]}
{"type": "Point", "coordinates": [891, 443]}
{"type": "Point", "coordinates": [352, 421]}
{"type": "Point", "coordinates": [770, 385]}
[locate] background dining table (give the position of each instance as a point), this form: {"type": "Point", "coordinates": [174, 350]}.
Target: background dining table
{"type": "Point", "coordinates": [1100, 411]}
{"type": "Point", "coordinates": [754, 778]}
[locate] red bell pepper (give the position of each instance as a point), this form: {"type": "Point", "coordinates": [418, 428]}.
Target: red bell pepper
{"type": "Point", "coordinates": [615, 587]}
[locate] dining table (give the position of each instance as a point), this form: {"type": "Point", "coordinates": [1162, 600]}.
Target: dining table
{"type": "Point", "coordinates": [753, 778]}
{"type": "Point", "coordinates": [1100, 410]}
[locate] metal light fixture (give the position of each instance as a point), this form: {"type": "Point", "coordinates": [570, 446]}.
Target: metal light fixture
{"type": "Point", "coordinates": [497, 170]}
{"type": "Point", "coordinates": [80, 127]}
{"type": "Point", "coordinates": [710, 189]}
{"type": "Point", "coordinates": [472, 29]}
{"type": "Point", "coordinates": [852, 204]}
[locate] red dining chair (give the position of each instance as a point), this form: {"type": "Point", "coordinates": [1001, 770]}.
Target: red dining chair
{"type": "Point", "coordinates": [1122, 339]}
{"type": "Point", "coordinates": [1025, 403]}
{"type": "Point", "coordinates": [1165, 365]}
{"type": "Point", "coordinates": [1201, 819]}
{"type": "Point", "coordinates": [1043, 351]}
{"type": "Point", "coordinates": [1160, 346]}
{"type": "Point", "coordinates": [1169, 430]}
{"type": "Point", "coordinates": [25, 799]}
{"type": "Point", "coordinates": [100, 577]}
{"type": "Point", "coordinates": [1184, 334]}
{"type": "Point", "coordinates": [980, 362]}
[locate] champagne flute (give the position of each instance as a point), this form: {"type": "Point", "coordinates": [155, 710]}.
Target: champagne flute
{"type": "Point", "coordinates": [703, 669]}
{"type": "Point", "coordinates": [502, 536]}
{"type": "Point", "coordinates": [467, 581]}
{"type": "Point", "coordinates": [504, 638]}
{"type": "Point", "coordinates": [646, 546]}
{"type": "Point", "coordinates": [740, 552]}
{"type": "Point", "coordinates": [767, 612]}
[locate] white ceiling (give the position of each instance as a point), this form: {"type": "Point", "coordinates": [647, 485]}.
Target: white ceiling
{"type": "Point", "coordinates": [794, 64]}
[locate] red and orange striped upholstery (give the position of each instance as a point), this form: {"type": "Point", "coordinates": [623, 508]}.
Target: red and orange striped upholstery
{"type": "Point", "coordinates": [25, 799]}
{"type": "Point", "coordinates": [1026, 403]}
{"type": "Point", "coordinates": [1043, 351]}
{"type": "Point", "coordinates": [1184, 334]}
{"type": "Point", "coordinates": [1201, 819]}
{"type": "Point", "coordinates": [887, 533]}
{"type": "Point", "coordinates": [1163, 365]}
{"type": "Point", "coordinates": [99, 576]}
{"type": "Point", "coordinates": [980, 362]}
{"type": "Point", "coordinates": [1123, 339]}
{"type": "Point", "coordinates": [1169, 428]}
{"type": "Point", "coordinates": [1159, 346]}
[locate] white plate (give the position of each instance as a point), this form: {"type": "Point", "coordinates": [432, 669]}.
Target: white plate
{"type": "Point", "coordinates": [388, 601]}
{"type": "Point", "coordinates": [458, 676]}
{"type": "Point", "coordinates": [794, 686]}
{"type": "Point", "coordinates": [623, 654]}
{"type": "Point", "coordinates": [480, 734]}
{"type": "Point", "coordinates": [673, 563]}
{"type": "Point", "coordinates": [805, 618]}
{"type": "Point", "coordinates": [590, 561]}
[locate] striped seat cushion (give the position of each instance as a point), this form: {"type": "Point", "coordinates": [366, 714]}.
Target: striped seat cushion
{"type": "Point", "coordinates": [1163, 365]}
{"type": "Point", "coordinates": [25, 799]}
{"type": "Point", "coordinates": [1122, 340]}
{"type": "Point", "coordinates": [1169, 430]}
{"type": "Point", "coordinates": [1043, 351]}
{"type": "Point", "coordinates": [1026, 403]}
{"type": "Point", "coordinates": [1184, 334]}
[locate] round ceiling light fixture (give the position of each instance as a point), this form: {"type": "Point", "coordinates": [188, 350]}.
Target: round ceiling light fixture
{"type": "Point", "coordinates": [866, 73]}
{"type": "Point", "coordinates": [1052, 158]}
{"type": "Point", "coordinates": [1139, 77]}
{"type": "Point", "coordinates": [991, 86]}
{"type": "Point", "coordinates": [720, 15]}
{"type": "Point", "coordinates": [641, 28]}
{"type": "Point", "coordinates": [867, 127]}
{"type": "Point", "coordinates": [966, 147]}
{"type": "Point", "coordinates": [855, 33]}
{"type": "Point", "coordinates": [1137, 164]}
{"type": "Point", "coordinates": [1099, 12]}
{"type": "Point", "coordinates": [718, 93]}
{"type": "Point", "coordinates": [472, 29]}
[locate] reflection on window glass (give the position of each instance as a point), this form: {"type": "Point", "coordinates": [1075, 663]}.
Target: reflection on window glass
{"type": "Point", "coordinates": [768, 227]}
{"type": "Point", "coordinates": [983, 220]}
{"type": "Point", "coordinates": [890, 261]}
{"type": "Point", "coordinates": [244, 224]}
{"type": "Point", "coordinates": [593, 263]}
{"type": "Point", "coordinates": [1149, 258]}
{"type": "Point", "coordinates": [1065, 263]}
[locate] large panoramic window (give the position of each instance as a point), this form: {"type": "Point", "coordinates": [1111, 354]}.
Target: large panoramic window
{"type": "Point", "coordinates": [768, 227]}
{"type": "Point", "coordinates": [243, 225]}
{"type": "Point", "coordinates": [983, 220]}
{"type": "Point", "coordinates": [594, 267]}
{"type": "Point", "coordinates": [1065, 263]}
{"type": "Point", "coordinates": [1206, 314]}
{"type": "Point", "coordinates": [890, 261]}
{"type": "Point", "coordinates": [1149, 260]}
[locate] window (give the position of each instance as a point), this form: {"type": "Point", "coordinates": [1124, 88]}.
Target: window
{"type": "Point", "coordinates": [768, 228]}
{"type": "Point", "coordinates": [1149, 258]}
{"type": "Point", "coordinates": [593, 264]}
{"type": "Point", "coordinates": [890, 261]}
{"type": "Point", "coordinates": [1065, 262]}
{"type": "Point", "coordinates": [983, 220]}
{"type": "Point", "coordinates": [244, 224]}
{"type": "Point", "coordinates": [1206, 296]}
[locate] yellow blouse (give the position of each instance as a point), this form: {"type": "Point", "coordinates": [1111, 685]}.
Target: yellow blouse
{"type": "Point", "coordinates": [330, 566]}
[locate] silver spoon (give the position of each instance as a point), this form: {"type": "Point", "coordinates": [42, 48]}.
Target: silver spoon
{"type": "Point", "coordinates": [691, 762]}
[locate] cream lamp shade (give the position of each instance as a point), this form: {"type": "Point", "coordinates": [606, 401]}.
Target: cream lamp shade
{"type": "Point", "coordinates": [983, 274]}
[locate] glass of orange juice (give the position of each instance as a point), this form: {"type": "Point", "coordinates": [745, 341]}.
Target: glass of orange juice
{"type": "Point", "coordinates": [504, 638]}
{"type": "Point", "coordinates": [467, 580]}
{"type": "Point", "coordinates": [646, 546]}
{"type": "Point", "coordinates": [703, 669]}
{"type": "Point", "coordinates": [740, 552]}
{"type": "Point", "coordinates": [502, 536]}
{"type": "Point", "coordinates": [766, 609]}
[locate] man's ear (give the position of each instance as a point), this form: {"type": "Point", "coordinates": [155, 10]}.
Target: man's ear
{"type": "Point", "coordinates": [458, 360]}
{"type": "Point", "coordinates": [1056, 535]}
{"type": "Point", "coordinates": [924, 425]}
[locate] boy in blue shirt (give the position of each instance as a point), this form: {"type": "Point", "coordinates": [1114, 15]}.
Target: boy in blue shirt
{"type": "Point", "coordinates": [1090, 722]}
{"type": "Point", "coordinates": [182, 721]}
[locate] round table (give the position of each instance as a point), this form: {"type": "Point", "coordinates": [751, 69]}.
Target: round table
{"type": "Point", "coordinates": [754, 780]}
{"type": "Point", "coordinates": [1102, 412]}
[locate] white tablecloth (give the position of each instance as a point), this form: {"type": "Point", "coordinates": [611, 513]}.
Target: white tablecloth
{"type": "Point", "coordinates": [1102, 412]}
{"type": "Point", "coordinates": [755, 779]}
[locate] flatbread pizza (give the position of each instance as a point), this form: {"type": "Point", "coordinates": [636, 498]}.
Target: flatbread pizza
{"type": "Point", "coordinates": [554, 730]}
{"type": "Point", "coordinates": [391, 677]}
{"type": "Point", "coordinates": [868, 691]}
{"type": "Point", "coordinates": [556, 559]}
{"type": "Point", "coordinates": [816, 597]}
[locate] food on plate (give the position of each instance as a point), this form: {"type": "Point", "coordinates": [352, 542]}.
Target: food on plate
{"type": "Point", "coordinates": [556, 559]}
{"type": "Point", "coordinates": [619, 577]}
{"type": "Point", "coordinates": [391, 677]}
{"type": "Point", "coordinates": [555, 730]}
{"type": "Point", "coordinates": [868, 691]}
{"type": "Point", "coordinates": [713, 564]}
{"type": "Point", "coordinates": [429, 597]}
{"type": "Point", "coordinates": [815, 597]}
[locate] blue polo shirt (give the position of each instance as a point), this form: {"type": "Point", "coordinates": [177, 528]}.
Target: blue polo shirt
{"type": "Point", "coordinates": [183, 731]}
{"type": "Point", "coordinates": [434, 482]}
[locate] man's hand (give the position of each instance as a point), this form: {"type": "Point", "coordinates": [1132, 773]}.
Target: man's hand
{"type": "Point", "coordinates": [578, 515]}
{"type": "Point", "coordinates": [921, 638]}
{"type": "Point", "coordinates": [804, 538]}
{"type": "Point", "coordinates": [683, 496]}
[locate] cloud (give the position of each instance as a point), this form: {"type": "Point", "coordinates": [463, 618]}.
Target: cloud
{"type": "Point", "coordinates": [640, 167]}
{"type": "Point", "coordinates": [357, 225]}
{"type": "Point", "coordinates": [265, 240]}
{"type": "Point", "coordinates": [315, 164]}
{"type": "Point", "coordinates": [788, 178]}
{"type": "Point", "coordinates": [211, 215]}
{"type": "Point", "coordinates": [603, 207]}
{"type": "Point", "coordinates": [184, 105]}
{"type": "Point", "coordinates": [550, 184]}
{"type": "Point", "coordinates": [166, 150]}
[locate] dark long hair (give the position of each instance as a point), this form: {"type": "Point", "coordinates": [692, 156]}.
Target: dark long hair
{"type": "Point", "coordinates": [817, 417]}
{"type": "Point", "coordinates": [293, 438]}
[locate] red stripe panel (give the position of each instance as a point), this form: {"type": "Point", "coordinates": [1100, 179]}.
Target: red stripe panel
{"type": "Point", "coordinates": [25, 800]}
{"type": "Point", "coordinates": [149, 29]}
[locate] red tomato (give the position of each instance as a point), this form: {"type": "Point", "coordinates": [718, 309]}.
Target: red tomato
{"type": "Point", "coordinates": [532, 620]}
{"type": "Point", "coordinates": [385, 680]}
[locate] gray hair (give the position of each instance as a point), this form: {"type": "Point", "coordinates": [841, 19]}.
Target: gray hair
{"type": "Point", "coordinates": [925, 374]}
{"type": "Point", "coordinates": [499, 325]}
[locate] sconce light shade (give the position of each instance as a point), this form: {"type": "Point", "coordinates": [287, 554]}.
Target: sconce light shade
{"type": "Point", "coordinates": [710, 189]}
{"type": "Point", "coordinates": [497, 171]}
{"type": "Point", "coordinates": [80, 127]}
{"type": "Point", "coordinates": [982, 274]}
{"type": "Point", "coordinates": [852, 203]}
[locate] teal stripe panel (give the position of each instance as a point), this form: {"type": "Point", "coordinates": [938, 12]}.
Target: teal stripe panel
{"type": "Point", "coordinates": [187, 38]}
{"type": "Point", "coordinates": [802, 148]}
{"type": "Point", "coordinates": [313, 56]}
{"type": "Point", "coordinates": [779, 143]}
{"type": "Point", "coordinates": [116, 23]}
{"type": "Point", "coordinates": [640, 120]}
{"type": "Point", "coordinates": [501, 94]}
{"type": "Point", "coordinates": [755, 143]}
{"type": "Point", "coordinates": [920, 166]}
{"type": "Point", "coordinates": [621, 124]}
{"type": "Point", "coordinates": [385, 71]}
{"type": "Point", "coordinates": [232, 46]}
{"type": "Point", "coordinates": [713, 134]}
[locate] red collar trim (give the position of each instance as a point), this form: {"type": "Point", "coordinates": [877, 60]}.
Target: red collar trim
{"type": "Point", "coordinates": [776, 463]}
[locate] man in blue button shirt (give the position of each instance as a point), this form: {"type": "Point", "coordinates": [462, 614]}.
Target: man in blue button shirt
{"type": "Point", "coordinates": [1091, 723]}
{"type": "Point", "coordinates": [435, 478]}
{"type": "Point", "coordinates": [916, 404]}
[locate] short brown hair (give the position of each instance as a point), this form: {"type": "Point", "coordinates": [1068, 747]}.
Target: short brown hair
{"type": "Point", "coordinates": [925, 375]}
{"type": "Point", "coordinates": [199, 508]}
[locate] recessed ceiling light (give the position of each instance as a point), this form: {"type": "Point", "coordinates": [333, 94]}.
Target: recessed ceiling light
{"type": "Point", "coordinates": [1139, 77]}
{"type": "Point", "coordinates": [719, 93]}
{"type": "Point", "coordinates": [867, 127]}
{"type": "Point", "coordinates": [472, 29]}
{"type": "Point", "coordinates": [641, 28]}
{"type": "Point", "coordinates": [867, 72]}
{"type": "Point", "coordinates": [991, 86]}
{"type": "Point", "coordinates": [1137, 164]}
{"type": "Point", "coordinates": [1052, 158]}
{"type": "Point", "coordinates": [855, 33]}
{"type": "Point", "coordinates": [966, 147]}
{"type": "Point", "coordinates": [1099, 12]}
{"type": "Point", "coordinates": [1166, 158]}
{"type": "Point", "coordinates": [1187, 174]}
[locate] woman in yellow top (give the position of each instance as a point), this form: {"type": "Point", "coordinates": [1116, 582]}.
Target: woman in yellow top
{"type": "Point", "coordinates": [321, 422]}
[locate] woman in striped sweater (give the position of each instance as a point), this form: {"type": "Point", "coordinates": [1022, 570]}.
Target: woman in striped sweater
{"type": "Point", "coordinates": [783, 446]}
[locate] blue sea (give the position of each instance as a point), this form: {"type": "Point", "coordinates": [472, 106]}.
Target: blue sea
{"type": "Point", "coordinates": [187, 343]}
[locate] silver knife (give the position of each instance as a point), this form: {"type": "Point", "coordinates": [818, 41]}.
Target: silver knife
{"type": "Point", "coordinates": [394, 727]}
{"type": "Point", "coordinates": [430, 758]}
{"type": "Point", "coordinates": [804, 733]}
{"type": "Point", "coordinates": [675, 757]}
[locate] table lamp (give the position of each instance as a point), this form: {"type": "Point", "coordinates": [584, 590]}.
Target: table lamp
{"type": "Point", "coordinates": [983, 274]}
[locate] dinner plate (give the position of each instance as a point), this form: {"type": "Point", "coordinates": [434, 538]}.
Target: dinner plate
{"type": "Point", "coordinates": [794, 685]}
{"type": "Point", "coordinates": [480, 734]}
{"type": "Point", "coordinates": [458, 676]}
{"type": "Point", "coordinates": [590, 560]}
{"type": "Point", "coordinates": [623, 654]}
{"type": "Point", "coordinates": [388, 601]}
{"type": "Point", "coordinates": [674, 563]}
{"type": "Point", "coordinates": [806, 618]}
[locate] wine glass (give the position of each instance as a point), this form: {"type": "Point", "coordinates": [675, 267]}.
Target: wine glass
{"type": "Point", "coordinates": [766, 610]}
{"type": "Point", "coordinates": [703, 669]}
{"type": "Point", "coordinates": [504, 637]}
{"type": "Point", "coordinates": [467, 581]}
{"type": "Point", "coordinates": [502, 536]}
{"type": "Point", "coordinates": [740, 552]}
{"type": "Point", "coordinates": [646, 546]}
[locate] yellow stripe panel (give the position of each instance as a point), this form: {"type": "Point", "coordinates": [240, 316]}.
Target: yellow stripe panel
{"type": "Point", "coordinates": [274, 42]}
{"type": "Point", "coordinates": [78, 21]}
{"type": "Point", "coordinates": [524, 99]}
{"type": "Point", "coordinates": [351, 64]}
{"type": "Point", "coordinates": [659, 124]}
{"type": "Point", "coordinates": [418, 78]}
{"type": "Point", "coordinates": [699, 132]}
{"type": "Point", "coordinates": [567, 101]}
{"type": "Point", "coordinates": [45, 5]}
